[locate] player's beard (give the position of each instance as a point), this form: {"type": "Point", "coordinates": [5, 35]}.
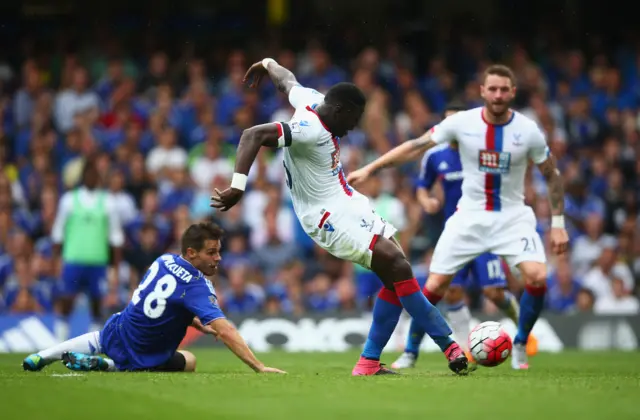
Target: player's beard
{"type": "Point", "coordinates": [498, 110]}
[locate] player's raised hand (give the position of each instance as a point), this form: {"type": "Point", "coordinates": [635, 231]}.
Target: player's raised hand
{"type": "Point", "coordinates": [226, 199]}
{"type": "Point", "coordinates": [255, 74]}
{"type": "Point", "coordinates": [271, 370]}
{"type": "Point", "coordinates": [358, 176]}
{"type": "Point", "coordinates": [559, 240]}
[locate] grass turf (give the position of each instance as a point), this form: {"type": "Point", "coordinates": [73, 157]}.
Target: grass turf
{"type": "Point", "coordinates": [570, 385]}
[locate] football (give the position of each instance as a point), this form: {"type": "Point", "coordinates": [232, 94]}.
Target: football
{"type": "Point", "coordinates": [490, 344]}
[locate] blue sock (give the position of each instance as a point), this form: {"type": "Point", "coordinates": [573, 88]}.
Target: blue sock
{"type": "Point", "coordinates": [531, 305]}
{"type": "Point", "coordinates": [386, 313]}
{"type": "Point", "coordinates": [414, 339]}
{"type": "Point", "coordinates": [424, 313]}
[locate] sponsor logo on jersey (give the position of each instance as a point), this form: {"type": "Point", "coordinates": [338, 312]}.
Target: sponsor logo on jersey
{"type": "Point", "coordinates": [328, 227]}
{"type": "Point", "coordinates": [516, 139]}
{"type": "Point", "coordinates": [304, 123]}
{"type": "Point", "coordinates": [367, 225]}
{"type": "Point", "coordinates": [294, 126]}
{"type": "Point", "coordinates": [493, 162]}
{"type": "Point", "coordinates": [443, 166]}
{"type": "Point", "coordinates": [453, 176]}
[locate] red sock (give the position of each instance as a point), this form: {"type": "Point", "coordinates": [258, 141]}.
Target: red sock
{"type": "Point", "coordinates": [406, 287]}
{"type": "Point", "coordinates": [536, 290]}
{"type": "Point", "coordinates": [432, 297]}
{"type": "Point", "coordinates": [389, 296]}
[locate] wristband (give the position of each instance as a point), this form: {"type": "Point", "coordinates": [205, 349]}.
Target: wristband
{"type": "Point", "coordinates": [239, 181]}
{"type": "Point", "coordinates": [557, 222]}
{"type": "Point", "coordinates": [266, 62]}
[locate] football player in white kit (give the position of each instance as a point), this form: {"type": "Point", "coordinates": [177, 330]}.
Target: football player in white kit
{"type": "Point", "coordinates": [334, 215]}
{"type": "Point", "coordinates": [496, 144]}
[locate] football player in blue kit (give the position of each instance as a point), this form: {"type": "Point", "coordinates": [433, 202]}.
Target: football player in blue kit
{"type": "Point", "coordinates": [442, 163]}
{"type": "Point", "coordinates": [173, 295]}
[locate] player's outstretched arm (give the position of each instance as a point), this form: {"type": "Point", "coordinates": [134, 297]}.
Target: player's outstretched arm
{"type": "Point", "coordinates": [559, 237]}
{"type": "Point", "coordinates": [251, 141]}
{"type": "Point", "coordinates": [407, 151]}
{"type": "Point", "coordinates": [226, 332]}
{"type": "Point", "coordinates": [431, 202]}
{"type": "Point", "coordinates": [280, 76]}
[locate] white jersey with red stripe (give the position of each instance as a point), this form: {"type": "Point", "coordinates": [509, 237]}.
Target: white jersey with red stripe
{"type": "Point", "coordinates": [337, 217]}
{"type": "Point", "coordinates": [491, 214]}
{"type": "Point", "coordinates": [312, 155]}
{"type": "Point", "coordinates": [494, 157]}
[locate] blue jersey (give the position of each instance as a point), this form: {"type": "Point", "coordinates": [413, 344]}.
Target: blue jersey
{"type": "Point", "coordinates": [443, 162]}
{"type": "Point", "coordinates": [150, 329]}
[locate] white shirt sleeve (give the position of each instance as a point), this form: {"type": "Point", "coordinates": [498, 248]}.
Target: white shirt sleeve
{"type": "Point", "coordinates": [116, 235]}
{"type": "Point", "coordinates": [300, 131]}
{"type": "Point", "coordinates": [300, 97]}
{"type": "Point", "coordinates": [155, 160]}
{"type": "Point", "coordinates": [538, 149]}
{"type": "Point", "coordinates": [445, 132]}
{"type": "Point", "coordinates": [64, 209]}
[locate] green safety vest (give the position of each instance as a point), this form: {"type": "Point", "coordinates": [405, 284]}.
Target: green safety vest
{"type": "Point", "coordinates": [86, 232]}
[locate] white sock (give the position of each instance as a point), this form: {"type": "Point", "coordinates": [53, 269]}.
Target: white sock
{"type": "Point", "coordinates": [112, 366]}
{"type": "Point", "coordinates": [88, 343]}
{"type": "Point", "coordinates": [61, 330]}
{"type": "Point", "coordinates": [460, 320]}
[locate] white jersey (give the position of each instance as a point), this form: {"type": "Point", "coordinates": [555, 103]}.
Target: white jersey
{"type": "Point", "coordinates": [494, 157]}
{"type": "Point", "coordinates": [312, 164]}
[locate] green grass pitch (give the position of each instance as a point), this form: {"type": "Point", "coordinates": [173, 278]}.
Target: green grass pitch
{"type": "Point", "coordinates": [567, 386]}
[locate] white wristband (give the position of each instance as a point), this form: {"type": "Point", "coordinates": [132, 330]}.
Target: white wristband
{"type": "Point", "coordinates": [266, 62]}
{"type": "Point", "coordinates": [557, 222]}
{"type": "Point", "coordinates": [239, 181]}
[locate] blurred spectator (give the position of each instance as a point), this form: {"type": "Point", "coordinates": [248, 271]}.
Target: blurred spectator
{"type": "Point", "coordinates": [563, 288]}
{"type": "Point", "coordinates": [242, 296]}
{"type": "Point", "coordinates": [76, 100]}
{"type": "Point", "coordinates": [588, 247]}
{"type": "Point", "coordinates": [166, 155]}
{"type": "Point", "coordinates": [607, 269]}
{"type": "Point", "coordinates": [620, 302]}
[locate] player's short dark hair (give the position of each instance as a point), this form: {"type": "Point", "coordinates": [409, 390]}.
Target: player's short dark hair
{"type": "Point", "coordinates": [454, 107]}
{"type": "Point", "coordinates": [344, 93]}
{"type": "Point", "coordinates": [196, 235]}
{"type": "Point", "coordinates": [499, 70]}
{"type": "Point", "coordinates": [89, 165]}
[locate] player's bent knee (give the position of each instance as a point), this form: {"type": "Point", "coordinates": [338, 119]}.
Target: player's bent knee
{"type": "Point", "coordinates": [190, 360]}
{"type": "Point", "coordinates": [453, 295]}
{"type": "Point", "coordinates": [494, 294]}
{"type": "Point", "coordinates": [389, 262]}
{"type": "Point", "coordinates": [439, 283]}
{"type": "Point", "coordinates": [534, 273]}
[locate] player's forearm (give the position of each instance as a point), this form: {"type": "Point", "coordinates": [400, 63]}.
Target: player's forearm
{"type": "Point", "coordinates": [116, 251]}
{"type": "Point", "coordinates": [406, 152]}
{"type": "Point", "coordinates": [250, 143]}
{"type": "Point", "coordinates": [555, 189]}
{"type": "Point", "coordinates": [232, 339]}
{"type": "Point", "coordinates": [282, 77]}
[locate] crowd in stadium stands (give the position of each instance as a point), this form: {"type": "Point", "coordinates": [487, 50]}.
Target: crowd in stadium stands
{"type": "Point", "coordinates": [162, 133]}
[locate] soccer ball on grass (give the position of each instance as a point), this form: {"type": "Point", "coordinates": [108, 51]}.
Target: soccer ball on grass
{"type": "Point", "coordinates": [490, 344]}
